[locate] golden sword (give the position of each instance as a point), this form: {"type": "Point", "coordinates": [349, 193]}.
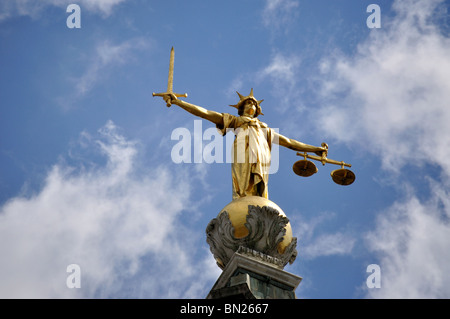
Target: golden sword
{"type": "Point", "coordinates": [170, 81]}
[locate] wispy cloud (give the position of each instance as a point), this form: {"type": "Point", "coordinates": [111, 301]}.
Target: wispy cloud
{"type": "Point", "coordinates": [105, 57]}
{"type": "Point", "coordinates": [281, 72]}
{"type": "Point", "coordinates": [34, 9]}
{"type": "Point", "coordinates": [118, 221]}
{"type": "Point", "coordinates": [396, 90]}
{"type": "Point", "coordinates": [315, 243]}
{"type": "Point", "coordinates": [281, 68]}
{"type": "Point", "coordinates": [411, 239]}
{"type": "Point", "coordinates": [279, 13]}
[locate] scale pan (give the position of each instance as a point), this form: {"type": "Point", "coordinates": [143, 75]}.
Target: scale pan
{"type": "Point", "coordinates": [343, 176]}
{"type": "Point", "coordinates": [304, 168]}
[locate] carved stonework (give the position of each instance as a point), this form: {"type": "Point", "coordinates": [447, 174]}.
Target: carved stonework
{"type": "Point", "coordinates": [266, 230]}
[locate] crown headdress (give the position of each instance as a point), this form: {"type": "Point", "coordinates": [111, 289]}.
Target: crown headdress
{"type": "Point", "coordinates": [242, 99]}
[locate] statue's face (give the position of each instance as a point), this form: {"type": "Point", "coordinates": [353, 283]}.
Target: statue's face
{"type": "Point", "coordinates": [249, 108]}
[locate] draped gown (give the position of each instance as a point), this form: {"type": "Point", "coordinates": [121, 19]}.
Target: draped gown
{"type": "Point", "coordinates": [251, 154]}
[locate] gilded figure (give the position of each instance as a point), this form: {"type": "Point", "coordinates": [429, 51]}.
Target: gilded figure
{"type": "Point", "coordinates": [252, 146]}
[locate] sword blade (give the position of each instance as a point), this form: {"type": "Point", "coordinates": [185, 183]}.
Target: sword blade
{"type": "Point", "coordinates": [171, 64]}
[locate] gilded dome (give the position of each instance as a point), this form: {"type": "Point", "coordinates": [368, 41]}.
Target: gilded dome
{"type": "Point", "coordinates": [255, 223]}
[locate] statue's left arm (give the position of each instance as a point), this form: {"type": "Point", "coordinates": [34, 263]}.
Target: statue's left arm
{"type": "Point", "coordinates": [296, 145]}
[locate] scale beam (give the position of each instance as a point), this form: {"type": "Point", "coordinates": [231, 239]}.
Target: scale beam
{"type": "Point", "coordinates": [324, 160]}
{"type": "Point", "coordinates": [307, 168]}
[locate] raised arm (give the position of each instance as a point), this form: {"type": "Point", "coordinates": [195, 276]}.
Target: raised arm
{"type": "Point", "coordinates": [296, 145]}
{"type": "Point", "coordinates": [215, 117]}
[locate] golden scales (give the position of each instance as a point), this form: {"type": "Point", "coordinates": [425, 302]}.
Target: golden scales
{"type": "Point", "coordinates": [306, 168]}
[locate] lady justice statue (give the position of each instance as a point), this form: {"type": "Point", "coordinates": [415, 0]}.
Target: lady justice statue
{"type": "Point", "coordinates": [252, 146]}
{"type": "Point", "coordinates": [250, 222]}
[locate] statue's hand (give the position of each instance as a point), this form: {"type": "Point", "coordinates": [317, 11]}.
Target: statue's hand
{"type": "Point", "coordinates": [170, 99]}
{"type": "Point", "coordinates": [323, 151]}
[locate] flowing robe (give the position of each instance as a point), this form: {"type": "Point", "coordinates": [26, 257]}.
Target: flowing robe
{"type": "Point", "coordinates": [251, 154]}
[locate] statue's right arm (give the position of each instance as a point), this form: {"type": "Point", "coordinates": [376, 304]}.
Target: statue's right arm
{"type": "Point", "coordinates": [215, 117]}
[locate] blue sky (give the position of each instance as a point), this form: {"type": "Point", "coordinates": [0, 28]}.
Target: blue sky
{"type": "Point", "coordinates": [86, 174]}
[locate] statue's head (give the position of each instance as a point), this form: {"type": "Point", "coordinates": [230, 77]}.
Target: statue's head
{"type": "Point", "coordinates": [247, 103]}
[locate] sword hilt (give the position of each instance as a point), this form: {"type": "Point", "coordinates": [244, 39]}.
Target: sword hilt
{"type": "Point", "coordinates": [168, 103]}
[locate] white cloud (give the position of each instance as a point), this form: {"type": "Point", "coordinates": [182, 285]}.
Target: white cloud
{"type": "Point", "coordinates": [119, 222]}
{"type": "Point", "coordinates": [34, 9]}
{"type": "Point", "coordinates": [281, 72]}
{"type": "Point", "coordinates": [279, 13]}
{"type": "Point", "coordinates": [329, 244]}
{"type": "Point", "coordinates": [396, 90]}
{"type": "Point", "coordinates": [412, 239]}
{"type": "Point", "coordinates": [105, 7]}
{"type": "Point", "coordinates": [106, 55]}
{"type": "Point", "coordinates": [313, 243]}
{"type": "Point", "coordinates": [390, 100]}
{"type": "Point", "coordinates": [281, 68]}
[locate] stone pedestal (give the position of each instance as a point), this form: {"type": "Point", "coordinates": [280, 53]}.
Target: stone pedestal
{"type": "Point", "coordinates": [252, 275]}
{"type": "Point", "coordinates": [251, 240]}
{"type": "Point", "coordinates": [252, 222]}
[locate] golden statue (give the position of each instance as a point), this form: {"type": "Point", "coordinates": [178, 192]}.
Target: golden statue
{"type": "Point", "coordinates": [253, 143]}
{"type": "Point", "coordinates": [251, 224]}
